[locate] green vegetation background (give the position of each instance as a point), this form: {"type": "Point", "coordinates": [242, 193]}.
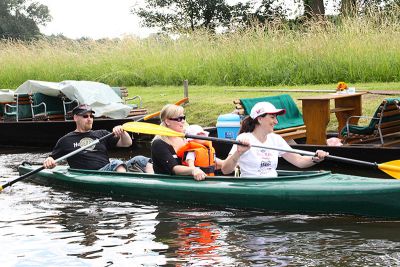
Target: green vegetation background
{"type": "Point", "coordinates": [362, 51]}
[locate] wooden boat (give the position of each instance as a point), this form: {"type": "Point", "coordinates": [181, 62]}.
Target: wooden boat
{"type": "Point", "coordinates": [311, 192]}
{"type": "Point", "coordinates": [46, 133]}
{"type": "Point", "coordinates": [40, 119]}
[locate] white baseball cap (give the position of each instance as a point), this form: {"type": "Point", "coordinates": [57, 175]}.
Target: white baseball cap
{"type": "Point", "coordinates": [196, 130]}
{"type": "Point", "coordinates": [262, 108]}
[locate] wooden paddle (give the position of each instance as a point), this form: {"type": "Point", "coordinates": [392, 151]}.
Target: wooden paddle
{"type": "Point", "coordinates": [155, 114]}
{"type": "Point", "coordinates": [57, 160]}
{"type": "Point", "coordinates": [392, 167]}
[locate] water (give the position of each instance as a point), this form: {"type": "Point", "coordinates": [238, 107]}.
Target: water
{"type": "Point", "coordinates": [43, 226]}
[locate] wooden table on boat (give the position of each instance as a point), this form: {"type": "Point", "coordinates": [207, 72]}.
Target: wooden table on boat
{"type": "Point", "coordinates": [316, 113]}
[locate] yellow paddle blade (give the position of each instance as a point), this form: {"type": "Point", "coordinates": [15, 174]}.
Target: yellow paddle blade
{"type": "Point", "coordinates": [392, 168]}
{"type": "Point", "coordinates": [149, 128]}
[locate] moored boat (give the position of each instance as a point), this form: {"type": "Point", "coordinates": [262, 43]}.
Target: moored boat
{"type": "Point", "coordinates": [46, 133]}
{"type": "Point", "coordinates": [38, 113]}
{"type": "Point", "coordinates": [292, 191]}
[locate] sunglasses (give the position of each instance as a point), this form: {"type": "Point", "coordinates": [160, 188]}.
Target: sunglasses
{"type": "Point", "coordinates": [178, 119]}
{"type": "Point", "coordinates": [87, 116]}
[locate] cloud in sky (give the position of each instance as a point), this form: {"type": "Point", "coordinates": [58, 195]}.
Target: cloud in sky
{"type": "Point", "coordinates": [92, 18]}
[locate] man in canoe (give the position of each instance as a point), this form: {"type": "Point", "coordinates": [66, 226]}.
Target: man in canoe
{"type": "Point", "coordinates": [95, 157]}
{"type": "Point", "coordinates": [257, 129]}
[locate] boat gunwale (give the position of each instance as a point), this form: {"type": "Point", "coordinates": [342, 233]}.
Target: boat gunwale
{"type": "Point", "coordinates": [286, 175]}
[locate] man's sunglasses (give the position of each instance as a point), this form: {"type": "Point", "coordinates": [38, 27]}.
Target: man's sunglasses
{"type": "Point", "coordinates": [87, 116]}
{"type": "Point", "coordinates": [178, 119]}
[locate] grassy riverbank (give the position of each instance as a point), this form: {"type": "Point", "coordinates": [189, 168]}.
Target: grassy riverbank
{"type": "Point", "coordinates": [207, 102]}
{"type": "Point", "coordinates": [364, 49]}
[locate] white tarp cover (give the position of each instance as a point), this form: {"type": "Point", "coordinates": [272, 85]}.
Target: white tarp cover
{"type": "Point", "coordinates": [101, 97]}
{"type": "Point", "coordinates": [6, 95]}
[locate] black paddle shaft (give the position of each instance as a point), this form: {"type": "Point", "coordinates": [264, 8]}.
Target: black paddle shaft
{"type": "Point", "coordinates": [57, 160]}
{"type": "Point", "coordinates": [297, 151]}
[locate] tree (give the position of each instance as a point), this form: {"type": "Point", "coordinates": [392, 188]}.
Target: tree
{"type": "Point", "coordinates": [354, 7]}
{"type": "Point", "coordinates": [189, 15]}
{"type": "Point", "coordinates": [177, 16]}
{"type": "Point", "coordinates": [314, 8]}
{"type": "Point", "coordinates": [19, 19]}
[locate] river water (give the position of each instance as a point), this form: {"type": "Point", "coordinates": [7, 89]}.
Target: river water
{"type": "Point", "coordinates": [43, 226]}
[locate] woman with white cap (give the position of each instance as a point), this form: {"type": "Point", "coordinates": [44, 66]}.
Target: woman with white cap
{"type": "Point", "coordinates": [257, 129]}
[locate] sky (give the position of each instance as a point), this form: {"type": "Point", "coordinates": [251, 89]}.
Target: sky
{"type": "Point", "coordinates": [95, 18]}
{"type": "Point", "coordinates": [92, 18]}
{"type": "Point", "coordinates": [98, 18]}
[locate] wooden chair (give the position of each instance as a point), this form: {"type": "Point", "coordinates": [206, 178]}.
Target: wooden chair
{"type": "Point", "coordinates": [383, 126]}
{"type": "Point", "coordinates": [122, 92]}
{"type": "Point", "coordinates": [68, 106]}
{"type": "Point", "coordinates": [136, 107]}
{"type": "Point", "coordinates": [291, 125]}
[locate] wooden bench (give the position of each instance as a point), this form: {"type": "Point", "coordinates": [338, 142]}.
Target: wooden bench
{"type": "Point", "coordinates": [383, 127]}
{"type": "Point", "coordinates": [288, 133]}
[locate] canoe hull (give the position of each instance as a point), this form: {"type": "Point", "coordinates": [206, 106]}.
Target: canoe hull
{"type": "Point", "coordinates": [310, 192]}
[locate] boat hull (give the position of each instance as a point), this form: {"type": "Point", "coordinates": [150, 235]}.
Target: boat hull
{"type": "Point", "coordinates": [46, 133]}
{"type": "Point", "coordinates": [294, 192]}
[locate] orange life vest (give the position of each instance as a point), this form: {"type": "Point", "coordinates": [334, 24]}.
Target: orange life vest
{"type": "Point", "coordinates": [205, 156]}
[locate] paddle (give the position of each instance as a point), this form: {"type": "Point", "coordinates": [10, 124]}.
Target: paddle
{"type": "Point", "coordinates": [155, 114]}
{"type": "Point", "coordinates": [57, 160]}
{"type": "Point", "coordinates": [392, 167]}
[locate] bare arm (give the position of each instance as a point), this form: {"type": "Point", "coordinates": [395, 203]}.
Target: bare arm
{"type": "Point", "coordinates": [196, 172]}
{"type": "Point", "coordinates": [305, 161]}
{"type": "Point", "coordinates": [124, 138]}
{"type": "Point", "coordinates": [230, 163]}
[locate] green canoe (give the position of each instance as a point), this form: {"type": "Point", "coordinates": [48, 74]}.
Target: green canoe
{"type": "Point", "coordinates": [293, 192]}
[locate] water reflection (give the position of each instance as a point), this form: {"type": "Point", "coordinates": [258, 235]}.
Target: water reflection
{"type": "Point", "coordinates": [44, 226]}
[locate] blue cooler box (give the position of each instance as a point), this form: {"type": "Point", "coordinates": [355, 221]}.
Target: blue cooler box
{"type": "Point", "coordinates": [228, 126]}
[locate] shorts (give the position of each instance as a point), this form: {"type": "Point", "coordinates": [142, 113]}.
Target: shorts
{"type": "Point", "coordinates": [113, 165]}
{"type": "Point", "coordinates": [137, 162]}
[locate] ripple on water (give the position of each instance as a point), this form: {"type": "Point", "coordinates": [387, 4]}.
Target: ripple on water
{"type": "Point", "coordinates": [43, 226]}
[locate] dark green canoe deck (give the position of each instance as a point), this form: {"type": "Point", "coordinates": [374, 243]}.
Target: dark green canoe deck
{"type": "Point", "coordinates": [295, 192]}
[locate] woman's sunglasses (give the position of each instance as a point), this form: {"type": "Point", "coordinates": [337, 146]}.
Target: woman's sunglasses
{"type": "Point", "coordinates": [178, 119]}
{"type": "Point", "coordinates": [87, 116]}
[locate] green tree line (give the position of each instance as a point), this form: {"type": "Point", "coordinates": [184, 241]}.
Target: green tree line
{"type": "Point", "coordinates": [179, 16]}
{"type": "Point", "coordinates": [19, 19]}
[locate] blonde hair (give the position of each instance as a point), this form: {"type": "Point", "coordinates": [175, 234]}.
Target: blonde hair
{"type": "Point", "coordinates": [168, 111]}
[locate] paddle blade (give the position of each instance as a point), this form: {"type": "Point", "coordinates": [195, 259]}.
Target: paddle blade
{"type": "Point", "coordinates": [392, 168]}
{"type": "Point", "coordinates": [149, 128]}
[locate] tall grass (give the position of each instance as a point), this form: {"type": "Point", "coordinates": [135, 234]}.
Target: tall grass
{"type": "Point", "coordinates": [362, 49]}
